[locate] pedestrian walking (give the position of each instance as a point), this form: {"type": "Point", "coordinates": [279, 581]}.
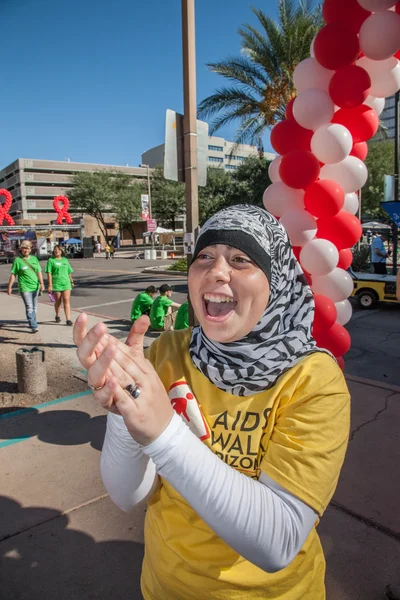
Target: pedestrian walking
{"type": "Point", "coordinates": [27, 269]}
{"type": "Point", "coordinates": [108, 251]}
{"type": "Point", "coordinates": [234, 431]}
{"type": "Point", "coordinates": [162, 315]}
{"type": "Point", "coordinates": [143, 302]}
{"type": "Point", "coordinates": [60, 282]}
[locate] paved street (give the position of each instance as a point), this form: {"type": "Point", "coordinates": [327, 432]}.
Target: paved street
{"type": "Point", "coordinates": [107, 287]}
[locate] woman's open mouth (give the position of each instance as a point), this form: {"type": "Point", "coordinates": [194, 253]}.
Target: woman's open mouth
{"type": "Point", "coordinates": [218, 307]}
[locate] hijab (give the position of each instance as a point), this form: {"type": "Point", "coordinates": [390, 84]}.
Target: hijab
{"type": "Point", "coordinates": [282, 337]}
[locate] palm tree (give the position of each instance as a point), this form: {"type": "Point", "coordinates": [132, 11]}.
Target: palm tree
{"type": "Point", "coordinates": [263, 74]}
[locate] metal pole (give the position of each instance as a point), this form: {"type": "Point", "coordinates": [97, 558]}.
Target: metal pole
{"type": "Point", "coordinates": [189, 123]}
{"type": "Point", "coordinates": [396, 176]}
{"type": "Point", "coordinates": [149, 190]}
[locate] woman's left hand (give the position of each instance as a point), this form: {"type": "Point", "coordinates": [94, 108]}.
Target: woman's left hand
{"type": "Point", "coordinates": [147, 416]}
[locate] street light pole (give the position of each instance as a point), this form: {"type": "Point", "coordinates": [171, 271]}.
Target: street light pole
{"type": "Point", "coordinates": [189, 123]}
{"type": "Point", "coordinates": [148, 186]}
{"type": "Point", "coordinates": [396, 175]}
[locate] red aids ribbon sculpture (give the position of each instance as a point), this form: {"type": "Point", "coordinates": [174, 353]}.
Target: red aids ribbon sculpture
{"type": "Point", "coordinates": [4, 208]}
{"type": "Point", "coordinates": [62, 210]}
{"type": "Point", "coordinates": [341, 90]}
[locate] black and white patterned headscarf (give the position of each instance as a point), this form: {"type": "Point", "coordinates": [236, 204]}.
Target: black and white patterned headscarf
{"type": "Point", "coordinates": [282, 337]}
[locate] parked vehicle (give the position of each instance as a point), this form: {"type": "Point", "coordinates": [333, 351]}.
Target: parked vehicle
{"type": "Point", "coordinates": [369, 289]}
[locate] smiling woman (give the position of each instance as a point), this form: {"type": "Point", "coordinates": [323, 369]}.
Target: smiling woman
{"type": "Point", "coordinates": [233, 431]}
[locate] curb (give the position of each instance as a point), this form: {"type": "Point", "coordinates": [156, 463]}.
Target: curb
{"type": "Point", "coordinates": [373, 383]}
{"type": "Point", "coordinates": [164, 272]}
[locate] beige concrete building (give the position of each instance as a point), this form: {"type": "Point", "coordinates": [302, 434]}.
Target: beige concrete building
{"type": "Point", "coordinates": [218, 154]}
{"type": "Point", "coordinates": [34, 184]}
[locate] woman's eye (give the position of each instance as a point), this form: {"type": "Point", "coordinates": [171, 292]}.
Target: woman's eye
{"type": "Point", "coordinates": [242, 260]}
{"type": "Point", "coordinates": [202, 255]}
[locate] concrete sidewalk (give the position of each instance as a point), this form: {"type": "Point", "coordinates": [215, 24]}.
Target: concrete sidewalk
{"type": "Point", "coordinates": [61, 537]}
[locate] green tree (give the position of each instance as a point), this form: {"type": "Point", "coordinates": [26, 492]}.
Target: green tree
{"type": "Point", "coordinates": [102, 194]}
{"type": "Point", "coordinates": [128, 207]}
{"type": "Point", "coordinates": [380, 162]}
{"type": "Point", "coordinates": [214, 195]}
{"type": "Point", "coordinates": [167, 198]}
{"type": "Point", "coordinates": [249, 182]}
{"type": "Point", "coordinates": [263, 75]}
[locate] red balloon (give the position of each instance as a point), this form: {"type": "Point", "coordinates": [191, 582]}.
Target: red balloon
{"type": "Point", "coordinates": [289, 109]}
{"type": "Point", "coordinates": [350, 86]}
{"type": "Point", "coordinates": [336, 45]}
{"type": "Point", "coordinates": [397, 8]}
{"type": "Point", "coordinates": [325, 313]}
{"type": "Point", "coordinates": [360, 150]}
{"type": "Point", "coordinates": [336, 339]}
{"type": "Point", "coordinates": [340, 362]}
{"type": "Point", "coordinates": [345, 11]}
{"type": "Point", "coordinates": [324, 198]}
{"type": "Point", "coordinates": [397, 55]}
{"type": "Point", "coordinates": [345, 259]}
{"type": "Point", "coordinates": [344, 230]}
{"type": "Point", "coordinates": [289, 135]}
{"type": "Point", "coordinates": [362, 121]}
{"type": "Point", "coordinates": [298, 169]}
{"type": "Point", "coordinates": [296, 251]}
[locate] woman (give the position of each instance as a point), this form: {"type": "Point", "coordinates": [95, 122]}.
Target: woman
{"type": "Point", "coordinates": [238, 474]}
{"type": "Point", "coordinates": [30, 281]}
{"type": "Point", "coordinates": [60, 282]}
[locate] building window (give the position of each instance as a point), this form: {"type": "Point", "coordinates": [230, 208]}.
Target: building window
{"type": "Point", "coordinates": [234, 157]}
{"type": "Point", "coordinates": [231, 167]}
{"type": "Point", "coordinates": [215, 159]}
{"type": "Point", "coordinates": [216, 148]}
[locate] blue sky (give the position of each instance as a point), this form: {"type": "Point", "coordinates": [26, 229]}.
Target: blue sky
{"type": "Point", "coordinates": [90, 80]}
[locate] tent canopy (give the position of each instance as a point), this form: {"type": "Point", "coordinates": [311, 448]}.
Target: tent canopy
{"type": "Point", "coordinates": [375, 225]}
{"type": "Point", "coordinates": [72, 241]}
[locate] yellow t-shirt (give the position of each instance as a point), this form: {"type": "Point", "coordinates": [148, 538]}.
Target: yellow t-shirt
{"type": "Point", "coordinates": [296, 432]}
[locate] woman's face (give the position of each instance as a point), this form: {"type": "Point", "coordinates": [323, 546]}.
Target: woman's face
{"type": "Point", "coordinates": [57, 252]}
{"type": "Point", "coordinates": [228, 291]}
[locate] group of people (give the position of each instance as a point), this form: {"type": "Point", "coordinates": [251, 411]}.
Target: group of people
{"type": "Point", "coordinates": [27, 269]}
{"type": "Point", "coordinates": [164, 314]}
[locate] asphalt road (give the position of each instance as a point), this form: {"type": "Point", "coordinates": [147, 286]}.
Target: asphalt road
{"type": "Point", "coordinates": [107, 288]}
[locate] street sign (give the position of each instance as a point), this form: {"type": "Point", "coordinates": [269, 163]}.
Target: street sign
{"type": "Point", "coordinates": [393, 210]}
{"type": "Point", "coordinates": [389, 183]}
{"type": "Point", "coordinates": [173, 151]}
{"type": "Point", "coordinates": [151, 224]}
{"type": "Point", "coordinates": [145, 207]}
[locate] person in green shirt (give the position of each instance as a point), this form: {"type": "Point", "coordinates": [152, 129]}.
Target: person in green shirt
{"type": "Point", "coordinates": [182, 316]}
{"type": "Point", "coordinates": [142, 303]}
{"type": "Point", "coordinates": [60, 282]}
{"type": "Point", "coordinates": [30, 281]}
{"type": "Point", "coordinates": [161, 316]}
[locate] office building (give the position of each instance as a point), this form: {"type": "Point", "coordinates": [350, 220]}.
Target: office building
{"type": "Point", "coordinates": [218, 155]}
{"type": "Point", "coordinates": [34, 183]}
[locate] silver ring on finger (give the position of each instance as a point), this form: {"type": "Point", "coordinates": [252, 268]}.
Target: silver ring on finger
{"type": "Point", "coordinates": [133, 391]}
{"type": "Point", "coordinates": [97, 389]}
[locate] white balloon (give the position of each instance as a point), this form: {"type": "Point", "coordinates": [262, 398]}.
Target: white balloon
{"type": "Point", "coordinates": [344, 312]}
{"type": "Point", "coordinates": [337, 285]}
{"type": "Point", "coordinates": [319, 257]}
{"type": "Point", "coordinates": [351, 174]}
{"type": "Point", "coordinates": [273, 169]}
{"type": "Point", "coordinates": [378, 104]}
{"type": "Point", "coordinates": [310, 74]}
{"type": "Point", "coordinates": [279, 198]}
{"type": "Point", "coordinates": [376, 5]}
{"type": "Point", "coordinates": [351, 203]}
{"type": "Point", "coordinates": [331, 143]}
{"type": "Point", "coordinates": [301, 227]}
{"type": "Point", "coordinates": [385, 75]}
{"type": "Point", "coordinates": [313, 108]}
{"type": "Point", "coordinates": [380, 35]}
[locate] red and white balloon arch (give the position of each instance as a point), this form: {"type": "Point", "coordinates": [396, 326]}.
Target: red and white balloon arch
{"type": "Point", "coordinates": [341, 90]}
